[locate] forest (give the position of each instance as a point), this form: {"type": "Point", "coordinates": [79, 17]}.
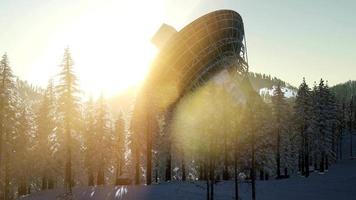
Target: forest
{"type": "Point", "coordinates": [54, 138]}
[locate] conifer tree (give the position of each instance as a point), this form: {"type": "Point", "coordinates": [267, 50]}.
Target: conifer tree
{"type": "Point", "coordinates": [21, 149]}
{"type": "Point", "coordinates": [278, 101]}
{"type": "Point", "coordinates": [89, 141]}
{"type": "Point", "coordinates": [68, 109]}
{"type": "Point", "coordinates": [45, 125]}
{"type": "Point", "coordinates": [7, 120]}
{"type": "Point", "coordinates": [350, 116]}
{"type": "Point", "coordinates": [302, 115]}
{"type": "Point", "coordinates": [102, 130]}
{"type": "Point", "coordinates": [323, 119]}
{"type": "Point", "coordinates": [120, 147]}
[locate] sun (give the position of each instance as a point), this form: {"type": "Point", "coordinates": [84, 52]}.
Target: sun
{"type": "Point", "coordinates": [111, 45]}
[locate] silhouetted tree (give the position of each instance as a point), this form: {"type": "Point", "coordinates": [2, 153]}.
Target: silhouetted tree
{"type": "Point", "coordinates": [279, 104]}
{"type": "Point", "coordinates": [303, 111]}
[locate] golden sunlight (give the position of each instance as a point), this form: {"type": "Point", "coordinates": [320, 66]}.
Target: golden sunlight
{"type": "Point", "coordinates": [110, 45]}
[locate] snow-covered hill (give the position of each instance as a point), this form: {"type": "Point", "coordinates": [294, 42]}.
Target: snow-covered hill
{"type": "Point", "coordinates": [288, 92]}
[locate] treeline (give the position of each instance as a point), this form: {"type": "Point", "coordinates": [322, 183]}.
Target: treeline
{"type": "Point", "coordinates": [213, 136]}
{"type": "Point", "coordinates": [346, 98]}
{"type": "Point", "coordinates": [259, 81]}
{"type": "Point", "coordinates": [345, 91]}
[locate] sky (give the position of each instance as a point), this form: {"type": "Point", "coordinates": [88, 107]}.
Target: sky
{"type": "Point", "coordinates": [110, 40]}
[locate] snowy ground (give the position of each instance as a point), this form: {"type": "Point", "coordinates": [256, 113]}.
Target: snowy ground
{"type": "Point", "coordinates": [338, 183]}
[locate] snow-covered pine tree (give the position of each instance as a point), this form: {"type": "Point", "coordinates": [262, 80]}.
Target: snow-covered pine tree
{"type": "Point", "coordinates": [89, 141]}
{"type": "Point", "coordinates": [68, 111]}
{"type": "Point", "coordinates": [102, 140]}
{"type": "Point", "coordinates": [45, 123]}
{"type": "Point", "coordinates": [303, 110]}
{"type": "Point", "coordinates": [331, 124]}
{"type": "Point", "coordinates": [350, 122]}
{"type": "Point", "coordinates": [354, 115]}
{"type": "Point", "coordinates": [279, 103]}
{"type": "Point", "coordinates": [323, 119]}
{"type": "Point", "coordinates": [341, 125]}
{"type": "Point", "coordinates": [21, 155]}
{"type": "Point", "coordinates": [289, 143]}
{"type": "Point", "coordinates": [8, 100]}
{"type": "Point", "coordinates": [119, 149]}
{"type": "Point", "coordinates": [252, 125]}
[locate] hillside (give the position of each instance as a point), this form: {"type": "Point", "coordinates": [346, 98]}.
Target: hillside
{"type": "Point", "coordinates": [266, 84]}
{"type": "Point", "coordinates": [344, 91]}
{"type": "Point", "coordinates": [262, 83]}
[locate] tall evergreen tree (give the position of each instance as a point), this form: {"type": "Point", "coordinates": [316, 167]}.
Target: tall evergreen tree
{"type": "Point", "coordinates": [68, 109]}
{"type": "Point", "coordinates": [120, 147]}
{"type": "Point", "coordinates": [324, 117]}
{"type": "Point", "coordinates": [45, 125]}
{"type": "Point", "coordinates": [102, 130]}
{"type": "Point", "coordinates": [350, 120]}
{"type": "Point", "coordinates": [89, 141]}
{"type": "Point", "coordinates": [303, 110]}
{"type": "Point", "coordinates": [279, 104]}
{"type": "Point", "coordinates": [7, 120]}
{"type": "Point", "coordinates": [21, 151]}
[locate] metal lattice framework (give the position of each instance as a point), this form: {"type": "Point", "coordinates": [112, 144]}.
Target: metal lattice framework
{"type": "Point", "coordinates": [207, 45]}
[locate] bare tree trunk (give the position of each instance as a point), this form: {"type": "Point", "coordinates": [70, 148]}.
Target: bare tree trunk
{"type": "Point", "coordinates": [7, 178]}
{"type": "Point", "coordinates": [253, 167]}
{"type": "Point", "coordinates": [101, 176]}
{"type": "Point", "coordinates": [340, 146]}
{"type": "Point", "coordinates": [350, 126]}
{"type": "Point", "coordinates": [278, 156]}
{"type": "Point", "coordinates": [183, 169]}
{"type": "Point", "coordinates": [350, 130]}
{"type": "Point", "coordinates": [225, 169]}
{"type": "Point", "coordinates": [207, 189]}
{"type": "Point", "coordinates": [44, 182]}
{"type": "Point", "coordinates": [1, 144]}
{"type": "Point", "coordinates": [302, 153]}
{"type": "Point", "coordinates": [118, 172]}
{"type": "Point", "coordinates": [149, 148]}
{"type": "Point", "coordinates": [156, 175]}
{"type": "Point", "coordinates": [68, 166]}
{"type": "Point", "coordinates": [169, 164]}
{"type": "Point", "coordinates": [322, 162]}
{"type": "Point", "coordinates": [50, 183]}
{"type": "Point", "coordinates": [302, 160]}
{"type": "Point", "coordinates": [212, 178]}
{"type": "Point", "coordinates": [22, 187]}
{"type": "Point", "coordinates": [306, 156]}
{"type": "Point", "coordinates": [253, 175]}
{"type": "Point", "coordinates": [201, 171]}
{"type": "Point", "coordinates": [90, 177]}
{"type": "Point", "coordinates": [236, 177]}
{"type": "Point", "coordinates": [137, 164]}
{"type": "Point", "coordinates": [205, 172]}
{"type": "Point", "coordinates": [149, 163]}
{"type": "Point", "coordinates": [315, 162]}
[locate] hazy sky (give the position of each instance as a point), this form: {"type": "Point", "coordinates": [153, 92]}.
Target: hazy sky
{"type": "Point", "coordinates": [110, 39]}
